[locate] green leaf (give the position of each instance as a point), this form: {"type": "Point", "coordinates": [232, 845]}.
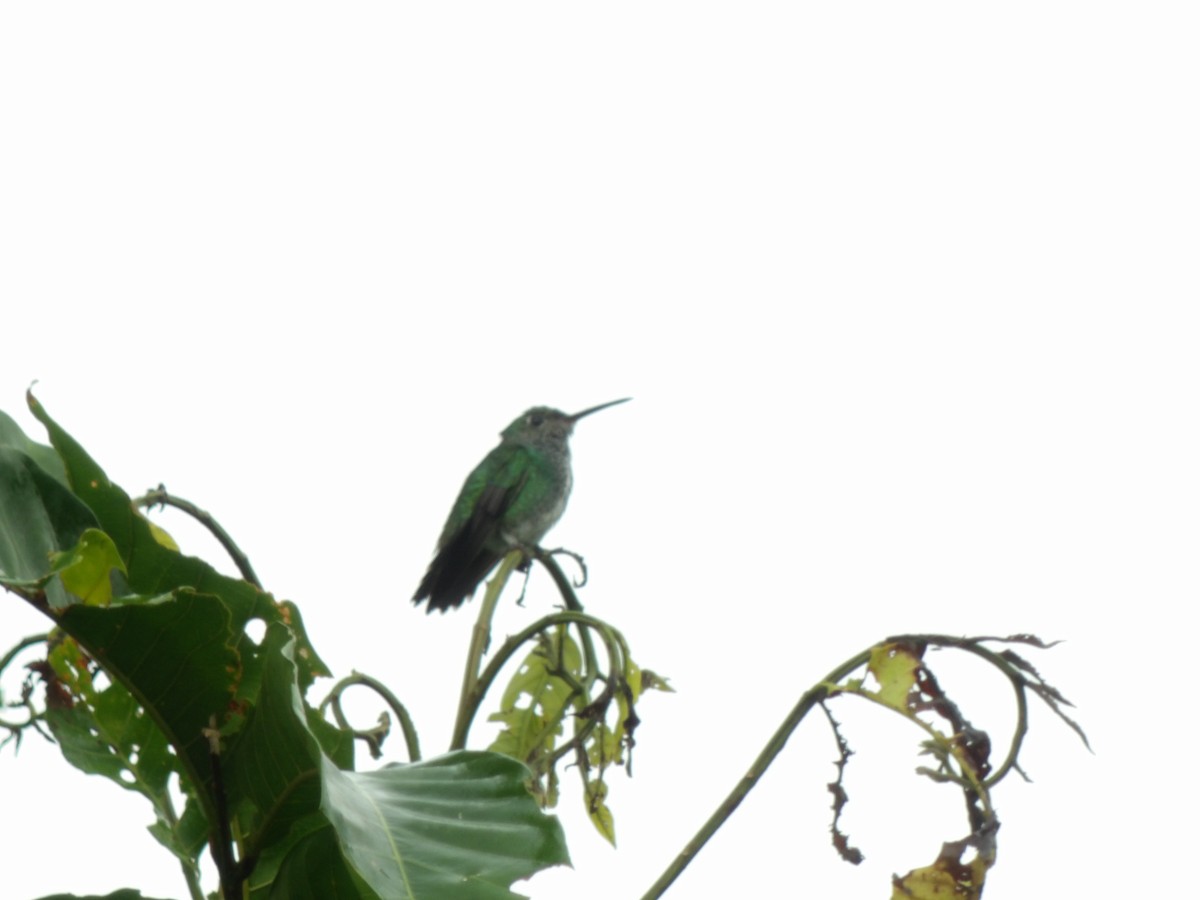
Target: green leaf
{"type": "Point", "coordinates": [313, 869]}
{"type": "Point", "coordinates": [175, 655]}
{"type": "Point", "coordinates": [308, 663]}
{"type": "Point", "coordinates": [152, 568]}
{"type": "Point", "coordinates": [12, 436]}
{"type": "Point", "coordinates": [38, 517]}
{"type": "Point", "coordinates": [274, 762]}
{"type": "Point", "coordinates": [895, 668]}
{"type": "Point", "coordinates": [155, 568]}
{"type": "Point", "coordinates": [462, 825]}
{"type": "Point", "coordinates": [119, 742]}
{"type": "Point", "coordinates": [190, 834]}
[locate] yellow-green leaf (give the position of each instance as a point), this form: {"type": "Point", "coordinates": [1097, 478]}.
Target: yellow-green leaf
{"type": "Point", "coordinates": [595, 793]}
{"type": "Point", "coordinates": [86, 567]}
{"type": "Point", "coordinates": [532, 726]}
{"type": "Point", "coordinates": [654, 681]}
{"type": "Point", "coordinates": [938, 882]}
{"type": "Point", "coordinates": [162, 537]}
{"type": "Point", "coordinates": [895, 668]}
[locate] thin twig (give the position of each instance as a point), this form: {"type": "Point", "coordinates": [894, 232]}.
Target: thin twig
{"type": "Point", "coordinates": [779, 739]}
{"type": "Point", "coordinates": [22, 645]}
{"type": "Point", "coordinates": [567, 590]}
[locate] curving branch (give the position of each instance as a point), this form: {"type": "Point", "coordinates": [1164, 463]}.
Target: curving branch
{"type": "Point", "coordinates": [159, 497]}
{"type": "Point", "coordinates": [33, 716]}
{"type": "Point", "coordinates": [962, 754]}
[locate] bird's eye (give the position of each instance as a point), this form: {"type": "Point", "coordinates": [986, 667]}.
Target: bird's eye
{"type": "Point", "coordinates": [536, 420]}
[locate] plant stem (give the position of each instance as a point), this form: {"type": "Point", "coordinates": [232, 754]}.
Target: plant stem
{"type": "Point", "coordinates": [406, 724]}
{"type": "Point", "coordinates": [160, 497]}
{"type": "Point", "coordinates": [481, 636]}
{"type": "Point", "coordinates": [811, 698]}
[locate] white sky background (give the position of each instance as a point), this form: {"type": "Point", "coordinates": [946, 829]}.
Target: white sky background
{"type": "Point", "coordinates": [905, 295]}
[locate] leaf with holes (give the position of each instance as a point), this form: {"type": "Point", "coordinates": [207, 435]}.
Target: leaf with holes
{"type": "Point", "coordinates": [535, 702]}
{"type": "Point", "coordinates": [895, 668]}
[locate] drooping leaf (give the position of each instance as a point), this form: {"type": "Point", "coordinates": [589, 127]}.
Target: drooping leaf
{"type": "Point", "coordinates": [308, 664]}
{"type": "Point", "coordinates": [462, 825]}
{"type": "Point", "coordinates": [535, 702]}
{"type": "Point", "coordinates": [114, 738]}
{"type": "Point", "coordinates": [595, 795]}
{"type": "Point", "coordinates": [947, 879]}
{"type": "Point", "coordinates": [118, 741]}
{"type": "Point", "coordinates": [175, 654]}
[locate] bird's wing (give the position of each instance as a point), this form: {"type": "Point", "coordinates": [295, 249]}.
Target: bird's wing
{"type": "Point", "coordinates": [489, 492]}
{"type": "Point", "coordinates": [467, 552]}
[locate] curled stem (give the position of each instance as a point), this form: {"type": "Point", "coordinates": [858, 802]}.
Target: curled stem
{"type": "Point", "coordinates": [475, 685]}
{"type": "Point", "coordinates": [373, 736]}
{"type": "Point", "coordinates": [22, 644]}
{"type": "Point", "coordinates": [480, 686]}
{"type": "Point", "coordinates": [33, 716]}
{"type": "Point", "coordinates": [567, 590]}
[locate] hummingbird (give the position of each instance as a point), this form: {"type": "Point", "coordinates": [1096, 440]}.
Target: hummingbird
{"type": "Point", "coordinates": [508, 502]}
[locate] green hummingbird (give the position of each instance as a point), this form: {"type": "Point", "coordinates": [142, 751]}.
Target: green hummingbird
{"type": "Point", "coordinates": [508, 502]}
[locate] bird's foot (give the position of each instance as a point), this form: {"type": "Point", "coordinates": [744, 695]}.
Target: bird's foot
{"type": "Point", "coordinates": [524, 567]}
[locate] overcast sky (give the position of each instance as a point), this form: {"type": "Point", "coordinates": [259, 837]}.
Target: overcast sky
{"type": "Point", "coordinates": [905, 295]}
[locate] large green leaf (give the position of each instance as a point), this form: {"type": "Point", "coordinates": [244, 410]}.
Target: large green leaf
{"type": "Point", "coordinates": [463, 826]}
{"type": "Point", "coordinates": [460, 826]}
{"type": "Point", "coordinates": [108, 733]}
{"type": "Point", "coordinates": [118, 741]}
{"type": "Point", "coordinates": [38, 517]}
{"type": "Point", "coordinates": [12, 436]}
{"type": "Point", "coordinates": [273, 765]}
{"type": "Point", "coordinates": [152, 567]}
{"type": "Point", "coordinates": [175, 654]}
{"type": "Point", "coordinates": [312, 868]}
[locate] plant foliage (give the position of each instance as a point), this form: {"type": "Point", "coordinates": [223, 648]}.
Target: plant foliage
{"type": "Point", "coordinates": [152, 680]}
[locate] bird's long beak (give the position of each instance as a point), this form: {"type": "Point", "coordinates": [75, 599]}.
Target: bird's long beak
{"type": "Point", "coordinates": [588, 412]}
